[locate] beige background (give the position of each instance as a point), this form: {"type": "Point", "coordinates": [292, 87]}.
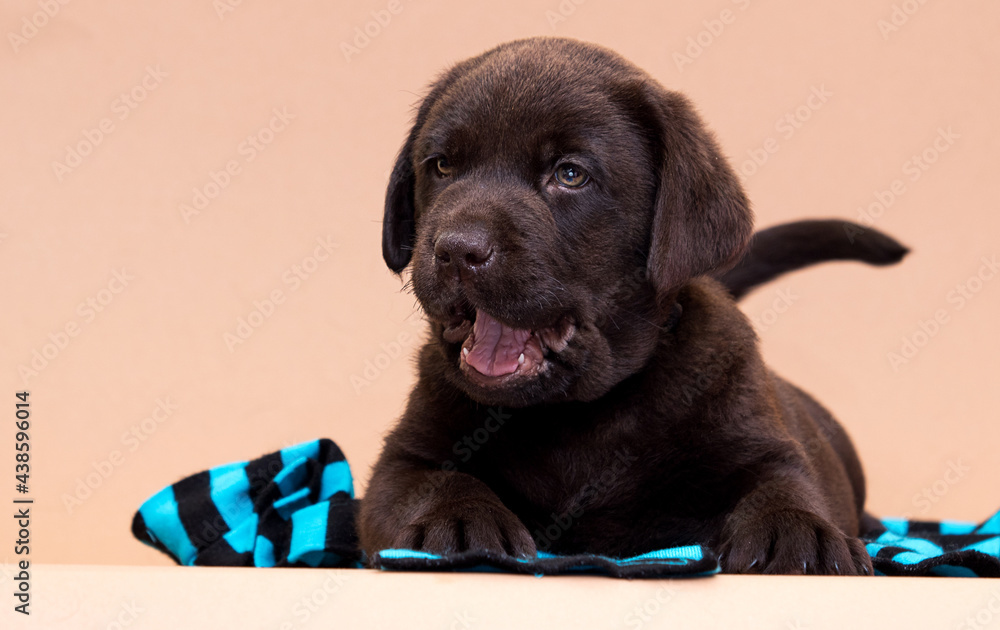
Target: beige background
{"type": "Point", "coordinates": [213, 597]}
{"type": "Point", "coordinates": [202, 82]}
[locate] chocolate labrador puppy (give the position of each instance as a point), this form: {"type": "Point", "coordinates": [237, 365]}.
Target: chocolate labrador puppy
{"type": "Point", "coordinates": [587, 386]}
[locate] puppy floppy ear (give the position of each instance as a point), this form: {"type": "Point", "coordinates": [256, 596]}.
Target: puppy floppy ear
{"type": "Point", "coordinates": [398, 225]}
{"type": "Point", "coordinates": [399, 228]}
{"type": "Point", "coordinates": [701, 220]}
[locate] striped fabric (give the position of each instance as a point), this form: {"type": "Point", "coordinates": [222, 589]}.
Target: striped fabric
{"type": "Point", "coordinates": [293, 508]}
{"type": "Point", "coordinates": [296, 508]}
{"type": "Point", "coordinates": [690, 561]}
{"type": "Point", "coordinates": [943, 548]}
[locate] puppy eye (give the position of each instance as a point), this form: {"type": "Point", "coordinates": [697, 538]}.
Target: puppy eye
{"type": "Point", "coordinates": [571, 175]}
{"type": "Point", "coordinates": [444, 168]}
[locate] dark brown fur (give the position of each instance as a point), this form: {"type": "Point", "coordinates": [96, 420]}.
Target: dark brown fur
{"type": "Point", "coordinates": [648, 430]}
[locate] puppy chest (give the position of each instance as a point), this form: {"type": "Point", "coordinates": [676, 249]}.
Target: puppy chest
{"type": "Point", "coordinates": [539, 471]}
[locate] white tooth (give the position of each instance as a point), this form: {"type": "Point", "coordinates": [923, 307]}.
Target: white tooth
{"type": "Point", "coordinates": [520, 359]}
{"type": "Point", "coordinates": [465, 352]}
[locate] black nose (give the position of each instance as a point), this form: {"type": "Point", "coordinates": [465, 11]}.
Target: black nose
{"type": "Point", "coordinates": [468, 251]}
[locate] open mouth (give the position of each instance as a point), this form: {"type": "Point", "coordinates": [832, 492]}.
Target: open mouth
{"type": "Point", "coordinates": [493, 353]}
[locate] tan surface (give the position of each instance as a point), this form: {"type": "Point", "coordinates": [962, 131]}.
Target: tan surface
{"type": "Point", "coordinates": [175, 597]}
{"type": "Point", "coordinates": [203, 84]}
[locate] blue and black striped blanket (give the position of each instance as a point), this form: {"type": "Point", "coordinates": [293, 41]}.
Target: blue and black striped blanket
{"type": "Point", "coordinates": [296, 508]}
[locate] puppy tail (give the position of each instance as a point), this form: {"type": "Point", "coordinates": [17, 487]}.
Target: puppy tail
{"type": "Point", "coordinates": [791, 246]}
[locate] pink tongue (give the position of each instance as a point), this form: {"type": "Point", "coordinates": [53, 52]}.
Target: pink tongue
{"type": "Point", "coordinates": [496, 347]}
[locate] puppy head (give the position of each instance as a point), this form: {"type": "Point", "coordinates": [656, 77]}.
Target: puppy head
{"type": "Point", "coordinates": [552, 199]}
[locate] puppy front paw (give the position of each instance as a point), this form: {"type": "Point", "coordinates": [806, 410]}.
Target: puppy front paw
{"type": "Point", "coordinates": [467, 525]}
{"type": "Point", "coordinates": [791, 542]}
